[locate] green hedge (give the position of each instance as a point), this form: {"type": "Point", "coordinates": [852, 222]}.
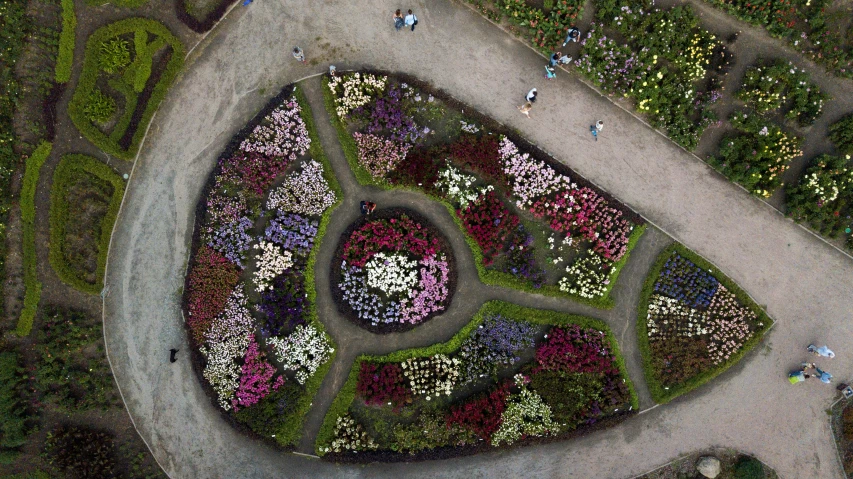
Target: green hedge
{"type": "Point", "coordinates": [13, 417]}
{"type": "Point", "coordinates": [487, 276]}
{"type": "Point", "coordinates": [346, 395]}
{"type": "Point", "coordinates": [91, 71]}
{"type": "Point", "coordinates": [28, 217]}
{"type": "Point", "coordinates": [659, 393]}
{"type": "Point", "coordinates": [65, 58]}
{"type": "Point", "coordinates": [291, 430]}
{"type": "Point", "coordinates": [65, 172]}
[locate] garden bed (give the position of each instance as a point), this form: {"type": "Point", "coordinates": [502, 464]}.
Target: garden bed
{"type": "Point", "coordinates": [249, 300]}
{"type": "Point", "coordinates": [693, 323]}
{"type": "Point", "coordinates": [531, 222]}
{"type": "Point", "coordinates": [512, 376]}
{"type": "Point", "coordinates": [842, 430]}
{"type": "Point", "coordinates": [392, 271]}
{"type": "Point", "coordinates": [128, 67]}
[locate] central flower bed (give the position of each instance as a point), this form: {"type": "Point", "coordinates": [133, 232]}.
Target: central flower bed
{"type": "Point", "coordinates": [392, 271]}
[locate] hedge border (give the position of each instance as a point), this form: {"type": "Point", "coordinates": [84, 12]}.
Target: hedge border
{"type": "Point", "coordinates": [490, 277]}
{"type": "Point", "coordinates": [59, 217]}
{"type": "Point", "coordinates": [32, 284]}
{"type": "Point", "coordinates": [65, 57]}
{"type": "Point", "coordinates": [659, 393]}
{"type": "Point", "coordinates": [91, 71]}
{"type": "Point", "coordinates": [346, 395]}
{"type": "Point", "coordinates": [209, 21]}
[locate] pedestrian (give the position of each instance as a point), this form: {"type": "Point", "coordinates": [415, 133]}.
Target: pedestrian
{"type": "Point", "coordinates": [572, 36]}
{"type": "Point", "coordinates": [526, 109]}
{"type": "Point", "coordinates": [825, 377]}
{"type": "Point", "coordinates": [398, 20]}
{"type": "Point", "coordinates": [299, 54]}
{"type": "Point", "coordinates": [367, 207]}
{"type": "Point", "coordinates": [555, 58]}
{"type": "Point", "coordinates": [531, 95]}
{"type": "Point", "coordinates": [332, 71]}
{"type": "Point", "coordinates": [550, 73]}
{"type": "Point", "coordinates": [172, 353]}
{"type": "Point", "coordinates": [246, 2]}
{"type": "Point", "coordinates": [596, 129]}
{"type": "Point", "coordinates": [822, 351]}
{"type": "Point", "coordinates": [411, 20]}
{"type": "Point", "coordinates": [565, 60]}
{"type": "Point", "coordinates": [800, 375]}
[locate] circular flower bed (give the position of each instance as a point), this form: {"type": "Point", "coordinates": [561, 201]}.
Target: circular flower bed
{"type": "Point", "coordinates": [392, 271]}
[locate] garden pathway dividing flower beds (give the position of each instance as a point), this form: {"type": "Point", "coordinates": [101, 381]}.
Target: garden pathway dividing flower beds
{"type": "Point", "coordinates": [532, 223]}
{"type": "Point", "coordinates": [392, 271]}
{"type": "Point", "coordinates": [693, 323]}
{"type": "Point", "coordinates": [512, 376]}
{"type": "Point", "coordinates": [249, 294]}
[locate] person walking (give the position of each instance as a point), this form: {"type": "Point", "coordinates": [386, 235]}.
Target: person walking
{"type": "Point", "coordinates": [596, 129]}
{"type": "Point", "coordinates": [398, 20]}
{"type": "Point", "coordinates": [411, 20]}
{"type": "Point", "coordinates": [531, 95]}
{"type": "Point", "coordinates": [555, 59]}
{"type": "Point", "coordinates": [299, 54]}
{"type": "Point", "coordinates": [550, 73]}
{"type": "Point", "coordinates": [565, 59]}
{"type": "Point", "coordinates": [367, 207]}
{"type": "Point", "coordinates": [824, 376]}
{"type": "Point", "coordinates": [526, 109]}
{"type": "Point", "coordinates": [572, 36]}
{"type": "Point", "coordinates": [822, 351]}
{"type": "Point", "coordinates": [172, 355]}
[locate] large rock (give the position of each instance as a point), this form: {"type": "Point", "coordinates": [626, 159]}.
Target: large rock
{"type": "Point", "coordinates": [708, 466]}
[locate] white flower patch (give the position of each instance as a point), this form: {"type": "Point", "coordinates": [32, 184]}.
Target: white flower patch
{"type": "Point", "coordinates": [355, 90]}
{"type": "Point", "coordinates": [432, 376]}
{"type": "Point", "coordinates": [225, 342]}
{"type": "Point", "coordinates": [728, 325]}
{"type": "Point", "coordinates": [457, 185]}
{"type": "Point", "coordinates": [587, 277]}
{"type": "Point", "coordinates": [526, 415]}
{"type": "Point", "coordinates": [531, 179]}
{"type": "Point", "coordinates": [303, 351]}
{"type": "Point", "coordinates": [826, 194]}
{"type": "Point", "coordinates": [305, 192]}
{"type": "Point", "coordinates": [668, 317]}
{"type": "Point", "coordinates": [350, 436]}
{"type": "Point", "coordinates": [391, 273]}
{"type": "Point", "coordinates": [270, 263]}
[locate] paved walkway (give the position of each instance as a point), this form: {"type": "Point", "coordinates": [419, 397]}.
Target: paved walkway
{"type": "Point", "coordinates": [806, 284]}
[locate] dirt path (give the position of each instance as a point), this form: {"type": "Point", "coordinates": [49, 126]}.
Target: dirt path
{"type": "Point", "coordinates": [749, 408]}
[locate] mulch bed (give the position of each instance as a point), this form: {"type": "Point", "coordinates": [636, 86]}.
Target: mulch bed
{"type": "Point", "coordinates": [335, 276]}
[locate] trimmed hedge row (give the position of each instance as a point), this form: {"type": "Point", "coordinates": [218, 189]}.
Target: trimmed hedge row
{"type": "Point", "coordinates": [59, 217]}
{"type": "Point", "coordinates": [660, 394]}
{"type": "Point", "coordinates": [65, 58]}
{"type": "Point", "coordinates": [487, 276]}
{"type": "Point", "coordinates": [346, 395]}
{"type": "Point", "coordinates": [28, 217]}
{"type": "Point", "coordinates": [91, 71]}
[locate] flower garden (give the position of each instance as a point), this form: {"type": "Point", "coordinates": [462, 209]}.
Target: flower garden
{"type": "Point", "coordinates": [693, 323]}
{"type": "Point", "coordinates": [532, 223]}
{"type": "Point", "coordinates": [249, 294]}
{"type": "Point", "coordinates": [393, 271]}
{"type": "Point", "coordinates": [512, 376]}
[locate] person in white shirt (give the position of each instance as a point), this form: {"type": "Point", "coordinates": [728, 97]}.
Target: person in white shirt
{"type": "Point", "coordinates": [411, 20]}
{"type": "Point", "coordinates": [531, 95]}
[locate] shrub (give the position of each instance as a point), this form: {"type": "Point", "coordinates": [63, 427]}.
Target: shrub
{"type": "Point", "coordinates": [782, 86]}
{"type": "Point", "coordinates": [429, 431]}
{"type": "Point", "coordinates": [380, 384]}
{"type": "Point", "coordinates": [481, 156]}
{"type": "Point", "coordinates": [61, 212]}
{"type": "Point", "coordinates": [273, 411]}
{"type": "Point", "coordinates": [823, 196]}
{"type": "Point", "coordinates": [284, 305]}
{"type": "Point", "coordinates": [419, 168]}
{"type": "Point", "coordinates": [841, 134]}
{"type": "Point", "coordinates": [521, 259]}
{"type": "Point", "coordinates": [748, 467]}
{"type": "Point", "coordinates": [482, 413]}
{"type": "Point", "coordinates": [65, 57]}
{"type": "Point", "coordinates": [79, 451]}
{"type": "Point", "coordinates": [210, 282]}
{"type": "Point", "coordinates": [113, 55]}
{"type": "Point", "coordinates": [28, 215]}
{"type": "Point", "coordinates": [568, 394]}
{"type": "Point", "coordinates": [526, 415]}
{"type": "Point", "coordinates": [99, 107]}
{"type": "Point", "coordinates": [13, 416]}
{"type": "Point", "coordinates": [847, 423]}
{"type": "Point", "coordinates": [493, 345]}
{"type": "Point", "coordinates": [489, 222]}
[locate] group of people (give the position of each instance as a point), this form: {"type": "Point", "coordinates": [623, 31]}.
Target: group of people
{"type": "Point", "coordinates": [410, 20]}
{"type": "Point", "coordinates": [803, 373]}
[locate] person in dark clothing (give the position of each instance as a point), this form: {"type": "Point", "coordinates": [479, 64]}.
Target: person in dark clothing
{"type": "Point", "coordinates": [172, 355]}
{"type": "Point", "coordinates": [367, 207]}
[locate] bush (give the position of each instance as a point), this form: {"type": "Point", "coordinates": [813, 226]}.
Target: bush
{"type": "Point", "coordinates": [13, 417]}
{"type": "Point", "coordinates": [490, 223]}
{"type": "Point", "coordinates": [79, 451]}
{"type": "Point", "coordinates": [748, 467]}
{"type": "Point", "coordinates": [841, 134]}
{"type": "Point", "coordinates": [92, 70]}
{"type": "Point", "coordinates": [68, 170]}
{"type": "Point", "coordinates": [380, 384]}
{"type": "Point", "coordinates": [270, 414]}
{"type": "Point", "coordinates": [783, 86]}
{"type": "Point", "coordinates": [823, 197]}
{"type": "Point", "coordinates": [113, 55]}
{"type": "Point", "coordinates": [28, 216]}
{"type": "Point", "coordinates": [847, 423]}
{"type": "Point", "coordinates": [99, 107]}
{"type": "Point", "coordinates": [65, 58]}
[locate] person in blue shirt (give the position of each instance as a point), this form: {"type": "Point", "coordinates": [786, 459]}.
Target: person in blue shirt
{"type": "Point", "coordinates": [822, 351]}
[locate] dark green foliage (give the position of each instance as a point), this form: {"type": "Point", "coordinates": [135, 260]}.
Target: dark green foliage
{"type": "Point", "coordinates": [566, 393]}
{"type": "Point", "coordinates": [429, 431]}
{"type": "Point", "coordinates": [72, 170]}
{"type": "Point", "coordinates": [113, 55]}
{"type": "Point", "coordinates": [109, 141]}
{"type": "Point", "coordinates": [65, 58]}
{"type": "Point", "coordinates": [81, 452]}
{"type": "Point", "coordinates": [823, 197]}
{"type": "Point", "coordinates": [841, 134]}
{"type": "Point", "coordinates": [72, 371]}
{"type": "Point", "coordinates": [748, 467]}
{"type": "Point", "coordinates": [13, 417]}
{"type": "Point", "coordinates": [270, 413]}
{"type": "Point", "coordinates": [99, 107]}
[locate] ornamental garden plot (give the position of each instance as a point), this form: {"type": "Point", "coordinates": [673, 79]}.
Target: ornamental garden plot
{"type": "Point", "coordinates": [392, 271]}
{"type": "Point", "coordinates": [693, 323]}
{"type": "Point", "coordinates": [513, 375]}
{"type": "Point", "coordinates": [249, 294]}
{"type": "Point", "coordinates": [532, 223]}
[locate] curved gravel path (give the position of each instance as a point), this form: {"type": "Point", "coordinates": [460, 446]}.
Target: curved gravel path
{"type": "Point", "coordinates": [806, 283]}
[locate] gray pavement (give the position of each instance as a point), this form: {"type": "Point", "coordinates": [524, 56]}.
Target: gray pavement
{"type": "Point", "coordinates": [805, 283]}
